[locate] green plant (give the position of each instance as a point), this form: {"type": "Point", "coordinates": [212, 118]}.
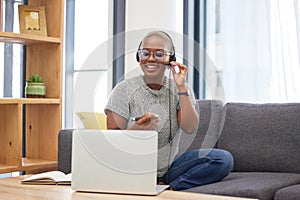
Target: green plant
{"type": "Point", "coordinates": [35, 78]}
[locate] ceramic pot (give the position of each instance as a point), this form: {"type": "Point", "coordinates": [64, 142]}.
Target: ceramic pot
{"type": "Point", "coordinates": [35, 90]}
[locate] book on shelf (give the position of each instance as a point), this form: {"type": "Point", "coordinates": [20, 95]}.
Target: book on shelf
{"type": "Point", "coordinates": [49, 178]}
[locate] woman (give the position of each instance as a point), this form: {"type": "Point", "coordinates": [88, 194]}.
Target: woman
{"type": "Point", "coordinates": [167, 106]}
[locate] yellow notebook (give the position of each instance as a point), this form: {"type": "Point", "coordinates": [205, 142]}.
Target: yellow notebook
{"type": "Point", "coordinates": [93, 120]}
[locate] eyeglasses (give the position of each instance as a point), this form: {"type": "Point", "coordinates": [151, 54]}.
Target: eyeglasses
{"type": "Point", "coordinates": [158, 54]}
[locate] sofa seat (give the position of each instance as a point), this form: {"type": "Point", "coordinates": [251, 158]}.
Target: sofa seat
{"type": "Point", "coordinates": [260, 185]}
{"type": "Point", "coordinates": [288, 193]}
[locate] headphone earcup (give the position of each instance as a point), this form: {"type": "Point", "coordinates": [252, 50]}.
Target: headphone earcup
{"type": "Point", "coordinates": [172, 58]}
{"type": "Point", "coordinates": [137, 56]}
{"type": "Point", "coordinates": [137, 53]}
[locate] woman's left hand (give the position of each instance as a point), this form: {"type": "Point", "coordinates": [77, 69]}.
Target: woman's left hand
{"type": "Point", "coordinates": [179, 74]}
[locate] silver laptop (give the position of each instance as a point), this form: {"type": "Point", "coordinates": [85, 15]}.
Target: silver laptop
{"type": "Point", "coordinates": [115, 161]}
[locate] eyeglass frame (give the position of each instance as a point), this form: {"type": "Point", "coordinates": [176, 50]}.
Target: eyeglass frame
{"type": "Point", "coordinates": [153, 51]}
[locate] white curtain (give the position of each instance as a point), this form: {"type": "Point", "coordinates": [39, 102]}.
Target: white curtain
{"type": "Point", "coordinates": [260, 52]}
{"type": "Point", "coordinates": [284, 38]}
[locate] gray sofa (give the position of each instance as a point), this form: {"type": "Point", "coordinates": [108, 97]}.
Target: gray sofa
{"type": "Point", "coordinates": [264, 140]}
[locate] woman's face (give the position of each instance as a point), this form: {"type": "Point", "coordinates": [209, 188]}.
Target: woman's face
{"type": "Point", "coordinates": [153, 59]}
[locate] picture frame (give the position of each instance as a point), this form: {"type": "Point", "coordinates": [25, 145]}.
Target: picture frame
{"type": "Point", "coordinates": [32, 20]}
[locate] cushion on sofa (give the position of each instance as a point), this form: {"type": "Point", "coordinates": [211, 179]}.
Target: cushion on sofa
{"type": "Point", "coordinates": [210, 113]}
{"type": "Point", "coordinates": [64, 150]}
{"type": "Point", "coordinates": [288, 193]}
{"type": "Point", "coordinates": [260, 185]}
{"type": "Point", "coordinates": [262, 137]}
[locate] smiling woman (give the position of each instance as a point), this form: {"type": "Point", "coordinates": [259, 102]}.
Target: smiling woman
{"type": "Point", "coordinates": [151, 64]}
{"type": "Point", "coordinates": [167, 106]}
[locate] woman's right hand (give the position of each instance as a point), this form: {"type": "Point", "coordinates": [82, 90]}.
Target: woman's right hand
{"type": "Point", "coordinates": [148, 121]}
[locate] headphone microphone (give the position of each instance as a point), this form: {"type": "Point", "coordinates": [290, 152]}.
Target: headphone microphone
{"type": "Point", "coordinates": [172, 57]}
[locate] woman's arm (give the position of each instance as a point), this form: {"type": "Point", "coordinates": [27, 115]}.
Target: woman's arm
{"type": "Point", "coordinates": [148, 121]}
{"type": "Point", "coordinates": [187, 115]}
{"type": "Point", "coordinates": [115, 121]}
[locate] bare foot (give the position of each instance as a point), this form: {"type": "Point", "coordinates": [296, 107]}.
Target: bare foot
{"type": "Point", "coordinates": [161, 183]}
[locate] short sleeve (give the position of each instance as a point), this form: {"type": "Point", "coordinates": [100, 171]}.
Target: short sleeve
{"type": "Point", "coordinates": [118, 101]}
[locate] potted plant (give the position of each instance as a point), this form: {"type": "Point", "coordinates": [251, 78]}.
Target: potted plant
{"type": "Point", "coordinates": [35, 87]}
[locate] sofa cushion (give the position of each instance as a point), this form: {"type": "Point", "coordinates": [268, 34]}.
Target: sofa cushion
{"type": "Point", "coordinates": [210, 113]}
{"type": "Point", "coordinates": [64, 150]}
{"type": "Point", "coordinates": [250, 184]}
{"type": "Point", "coordinates": [288, 193]}
{"type": "Point", "coordinates": [262, 137]}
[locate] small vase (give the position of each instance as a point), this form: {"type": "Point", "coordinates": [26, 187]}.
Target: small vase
{"type": "Point", "coordinates": [35, 90]}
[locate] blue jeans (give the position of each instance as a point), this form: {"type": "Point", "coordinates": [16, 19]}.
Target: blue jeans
{"type": "Point", "coordinates": [198, 167]}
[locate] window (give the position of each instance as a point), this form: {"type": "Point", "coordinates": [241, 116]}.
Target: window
{"type": "Point", "coordinates": [87, 57]}
{"type": "Point", "coordinates": [255, 49]}
{"type": "Point", "coordinates": [11, 55]}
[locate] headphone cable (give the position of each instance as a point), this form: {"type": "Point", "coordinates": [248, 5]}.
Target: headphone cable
{"type": "Point", "coordinates": [170, 126]}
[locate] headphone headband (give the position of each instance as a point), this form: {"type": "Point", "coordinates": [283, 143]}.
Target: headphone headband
{"type": "Point", "coordinates": [172, 57]}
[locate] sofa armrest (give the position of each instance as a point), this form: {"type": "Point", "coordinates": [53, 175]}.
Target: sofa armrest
{"type": "Point", "coordinates": [64, 150]}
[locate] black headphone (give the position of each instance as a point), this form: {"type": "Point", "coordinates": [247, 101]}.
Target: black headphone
{"type": "Point", "coordinates": [172, 57]}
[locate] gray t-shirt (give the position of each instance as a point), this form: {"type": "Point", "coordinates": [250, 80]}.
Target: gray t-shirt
{"type": "Point", "coordinates": [132, 98]}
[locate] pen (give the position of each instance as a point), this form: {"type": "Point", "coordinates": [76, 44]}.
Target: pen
{"type": "Point", "coordinates": [138, 118]}
{"type": "Point", "coordinates": [135, 118]}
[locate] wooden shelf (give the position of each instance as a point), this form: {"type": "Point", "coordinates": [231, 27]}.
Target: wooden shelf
{"type": "Point", "coordinates": [7, 168]}
{"type": "Point", "coordinates": [29, 101]}
{"type": "Point", "coordinates": [34, 127]}
{"type": "Point", "coordinates": [26, 39]}
{"type": "Point", "coordinates": [31, 164]}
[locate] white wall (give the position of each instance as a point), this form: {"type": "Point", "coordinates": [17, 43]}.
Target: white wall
{"type": "Point", "coordinates": [144, 15]}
